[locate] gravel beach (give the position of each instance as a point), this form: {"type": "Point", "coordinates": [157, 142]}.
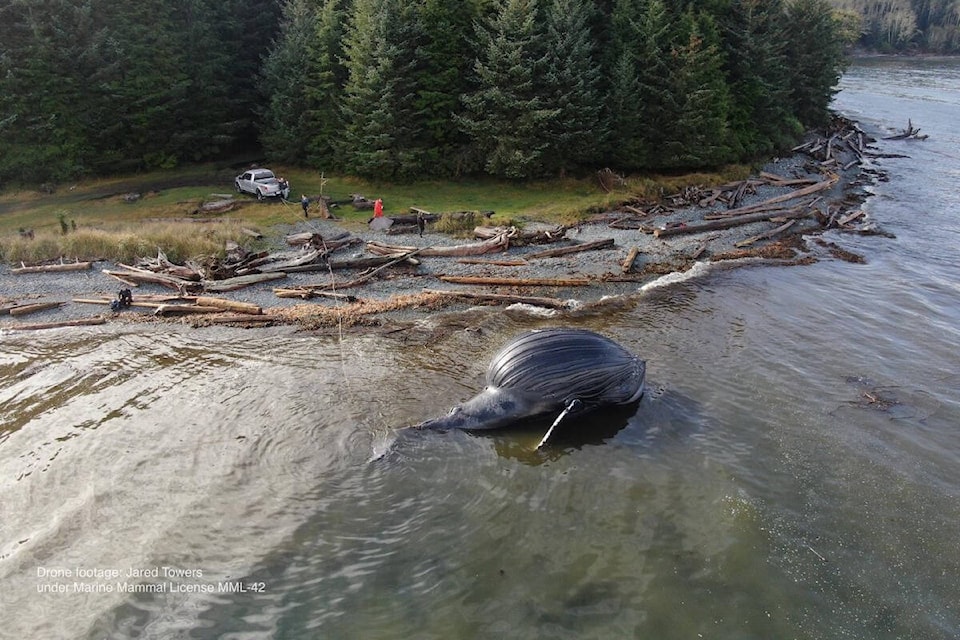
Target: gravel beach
{"type": "Point", "coordinates": [657, 257]}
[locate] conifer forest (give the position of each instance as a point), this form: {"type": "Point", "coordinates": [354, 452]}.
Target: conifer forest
{"type": "Point", "coordinates": [411, 89]}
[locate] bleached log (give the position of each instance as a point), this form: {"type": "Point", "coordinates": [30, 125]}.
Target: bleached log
{"type": "Point", "coordinates": [229, 305]}
{"type": "Point", "coordinates": [52, 268]}
{"type": "Point", "coordinates": [728, 223]}
{"type": "Point", "coordinates": [310, 291]}
{"type": "Point", "coordinates": [536, 301]}
{"type": "Point", "coordinates": [25, 309]}
{"type": "Point", "coordinates": [499, 243]}
{"type": "Point", "coordinates": [627, 265]}
{"type": "Point", "coordinates": [606, 243]}
{"type": "Point", "coordinates": [80, 322]}
{"type": "Point", "coordinates": [496, 263]}
{"type": "Point", "coordinates": [765, 235]}
{"type": "Point", "coordinates": [518, 282]}
{"type": "Point", "coordinates": [232, 284]}
{"type": "Point", "coordinates": [183, 309]}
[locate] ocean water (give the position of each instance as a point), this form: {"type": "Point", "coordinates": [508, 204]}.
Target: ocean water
{"type": "Point", "coordinates": [792, 472]}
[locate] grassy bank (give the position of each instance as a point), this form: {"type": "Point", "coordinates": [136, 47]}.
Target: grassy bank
{"type": "Point", "coordinates": [95, 220]}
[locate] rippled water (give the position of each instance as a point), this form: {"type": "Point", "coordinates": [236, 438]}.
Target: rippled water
{"type": "Point", "coordinates": [793, 471]}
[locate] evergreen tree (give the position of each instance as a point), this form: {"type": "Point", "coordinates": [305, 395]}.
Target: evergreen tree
{"type": "Point", "coordinates": [283, 134]}
{"type": "Point", "coordinates": [815, 52]}
{"type": "Point", "coordinates": [699, 133]}
{"type": "Point", "coordinates": [571, 83]}
{"type": "Point", "coordinates": [756, 66]}
{"type": "Point", "coordinates": [325, 78]}
{"type": "Point", "coordinates": [507, 116]}
{"type": "Point", "coordinates": [442, 77]}
{"type": "Point", "coordinates": [379, 105]}
{"type": "Point", "coordinates": [643, 107]}
{"type": "Point", "coordinates": [624, 119]}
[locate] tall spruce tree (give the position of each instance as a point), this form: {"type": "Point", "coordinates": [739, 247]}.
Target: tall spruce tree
{"type": "Point", "coordinates": [623, 119]}
{"type": "Point", "coordinates": [571, 82]}
{"type": "Point", "coordinates": [642, 107]}
{"type": "Point", "coordinates": [699, 133]}
{"type": "Point", "coordinates": [54, 70]}
{"type": "Point", "coordinates": [283, 134]}
{"type": "Point", "coordinates": [443, 75]}
{"type": "Point", "coordinates": [756, 66]}
{"type": "Point", "coordinates": [816, 59]}
{"type": "Point", "coordinates": [508, 116]}
{"type": "Point", "coordinates": [379, 110]}
{"type": "Point", "coordinates": [323, 85]}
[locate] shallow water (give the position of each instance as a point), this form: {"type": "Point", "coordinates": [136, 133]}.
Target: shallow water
{"type": "Point", "coordinates": [793, 470]}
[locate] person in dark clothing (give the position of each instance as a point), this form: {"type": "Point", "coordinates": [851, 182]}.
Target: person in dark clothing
{"type": "Point", "coordinates": [305, 203]}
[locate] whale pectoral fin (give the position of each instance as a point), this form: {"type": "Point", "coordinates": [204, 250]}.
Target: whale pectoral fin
{"type": "Point", "coordinates": [572, 407]}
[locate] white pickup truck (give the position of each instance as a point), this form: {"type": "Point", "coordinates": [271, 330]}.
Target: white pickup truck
{"type": "Point", "coordinates": [262, 183]}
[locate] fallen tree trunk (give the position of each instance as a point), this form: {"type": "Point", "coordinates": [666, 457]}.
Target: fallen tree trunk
{"type": "Point", "coordinates": [496, 263]}
{"type": "Point", "coordinates": [728, 223]}
{"type": "Point", "coordinates": [56, 325]}
{"type": "Point", "coordinates": [309, 291]}
{"type": "Point", "coordinates": [25, 309]}
{"type": "Point", "coordinates": [627, 265]}
{"type": "Point", "coordinates": [793, 195]}
{"type": "Point", "coordinates": [183, 309]}
{"type": "Point", "coordinates": [243, 319]}
{"type": "Point", "coordinates": [367, 263]}
{"type": "Point", "coordinates": [333, 285]}
{"type": "Point", "coordinates": [232, 284]}
{"type": "Point", "coordinates": [537, 301]}
{"type": "Point", "coordinates": [229, 305]}
{"type": "Point", "coordinates": [765, 235]}
{"type": "Point", "coordinates": [498, 243]}
{"type": "Point", "coordinates": [606, 243]}
{"type": "Point", "coordinates": [53, 268]}
{"type": "Point", "coordinates": [518, 282]}
{"type": "Point", "coordinates": [133, 274]}
{"type": "Point", "coordinates": [536, 234]}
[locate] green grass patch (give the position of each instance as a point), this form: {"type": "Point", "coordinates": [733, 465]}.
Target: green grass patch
{"type": "Point", "coordinates": [94, 219]}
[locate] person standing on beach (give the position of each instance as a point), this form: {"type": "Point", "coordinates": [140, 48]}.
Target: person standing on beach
{"type": "Point", "coordinates": [378, 208]}
{"type": "Point", "coordinates": [305, 203]}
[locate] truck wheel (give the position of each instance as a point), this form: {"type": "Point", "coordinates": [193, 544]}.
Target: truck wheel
{"type": "Point", "coordinates": [259, 195]}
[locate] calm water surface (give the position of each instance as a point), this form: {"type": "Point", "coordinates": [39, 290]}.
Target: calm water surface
{"type": "Point", "coordinates": [793, 471]}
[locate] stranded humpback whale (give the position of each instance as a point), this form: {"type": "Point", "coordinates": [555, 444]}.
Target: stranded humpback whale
{"type": "Point", "coordinates": [549, 373]}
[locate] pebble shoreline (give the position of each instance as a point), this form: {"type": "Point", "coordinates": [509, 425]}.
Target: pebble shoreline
{"type": "Point", "coordinates": [657, 256]}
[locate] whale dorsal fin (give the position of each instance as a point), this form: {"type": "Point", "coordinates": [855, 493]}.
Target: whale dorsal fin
{"type": "Point", "coordinates": [572, 406]}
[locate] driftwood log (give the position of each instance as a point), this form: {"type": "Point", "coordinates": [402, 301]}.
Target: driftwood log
{"type": "Point", "coordinates": [728, 223]}
{"type": "Point", "coordinates": [56, 325]}
{"type": "Point", "coordinates": [606, 243]}
{"type": "Point", "coordinates": [909, 132]}
{"type": "Point", "coordinates": [229, 305]}
{"type": "Point", "coordinates": [534, 235]}
{"type": "Point", "coordinates": [232, 284]}
{"type": "Point", "coordinates": [518, 282]}
{"type": "Point", "coordinates": [309, 291]}
{"type": "Point", "coordinates": [766, 205]}
{"type": "Point", "coordinates": [498, 243]}
{"type": "Point", "coordinates": [536, 301]}
{"type": "Point", "coordinates": [53, 268]}
{"type": "Point", "coordinates": [26, 309]}
{"type": "Point", "coordinates": [627, 265]}
{"type": "Point", "coordinates": [765, 235]}
{"type": "Point", "coordinates": [495, 263]}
